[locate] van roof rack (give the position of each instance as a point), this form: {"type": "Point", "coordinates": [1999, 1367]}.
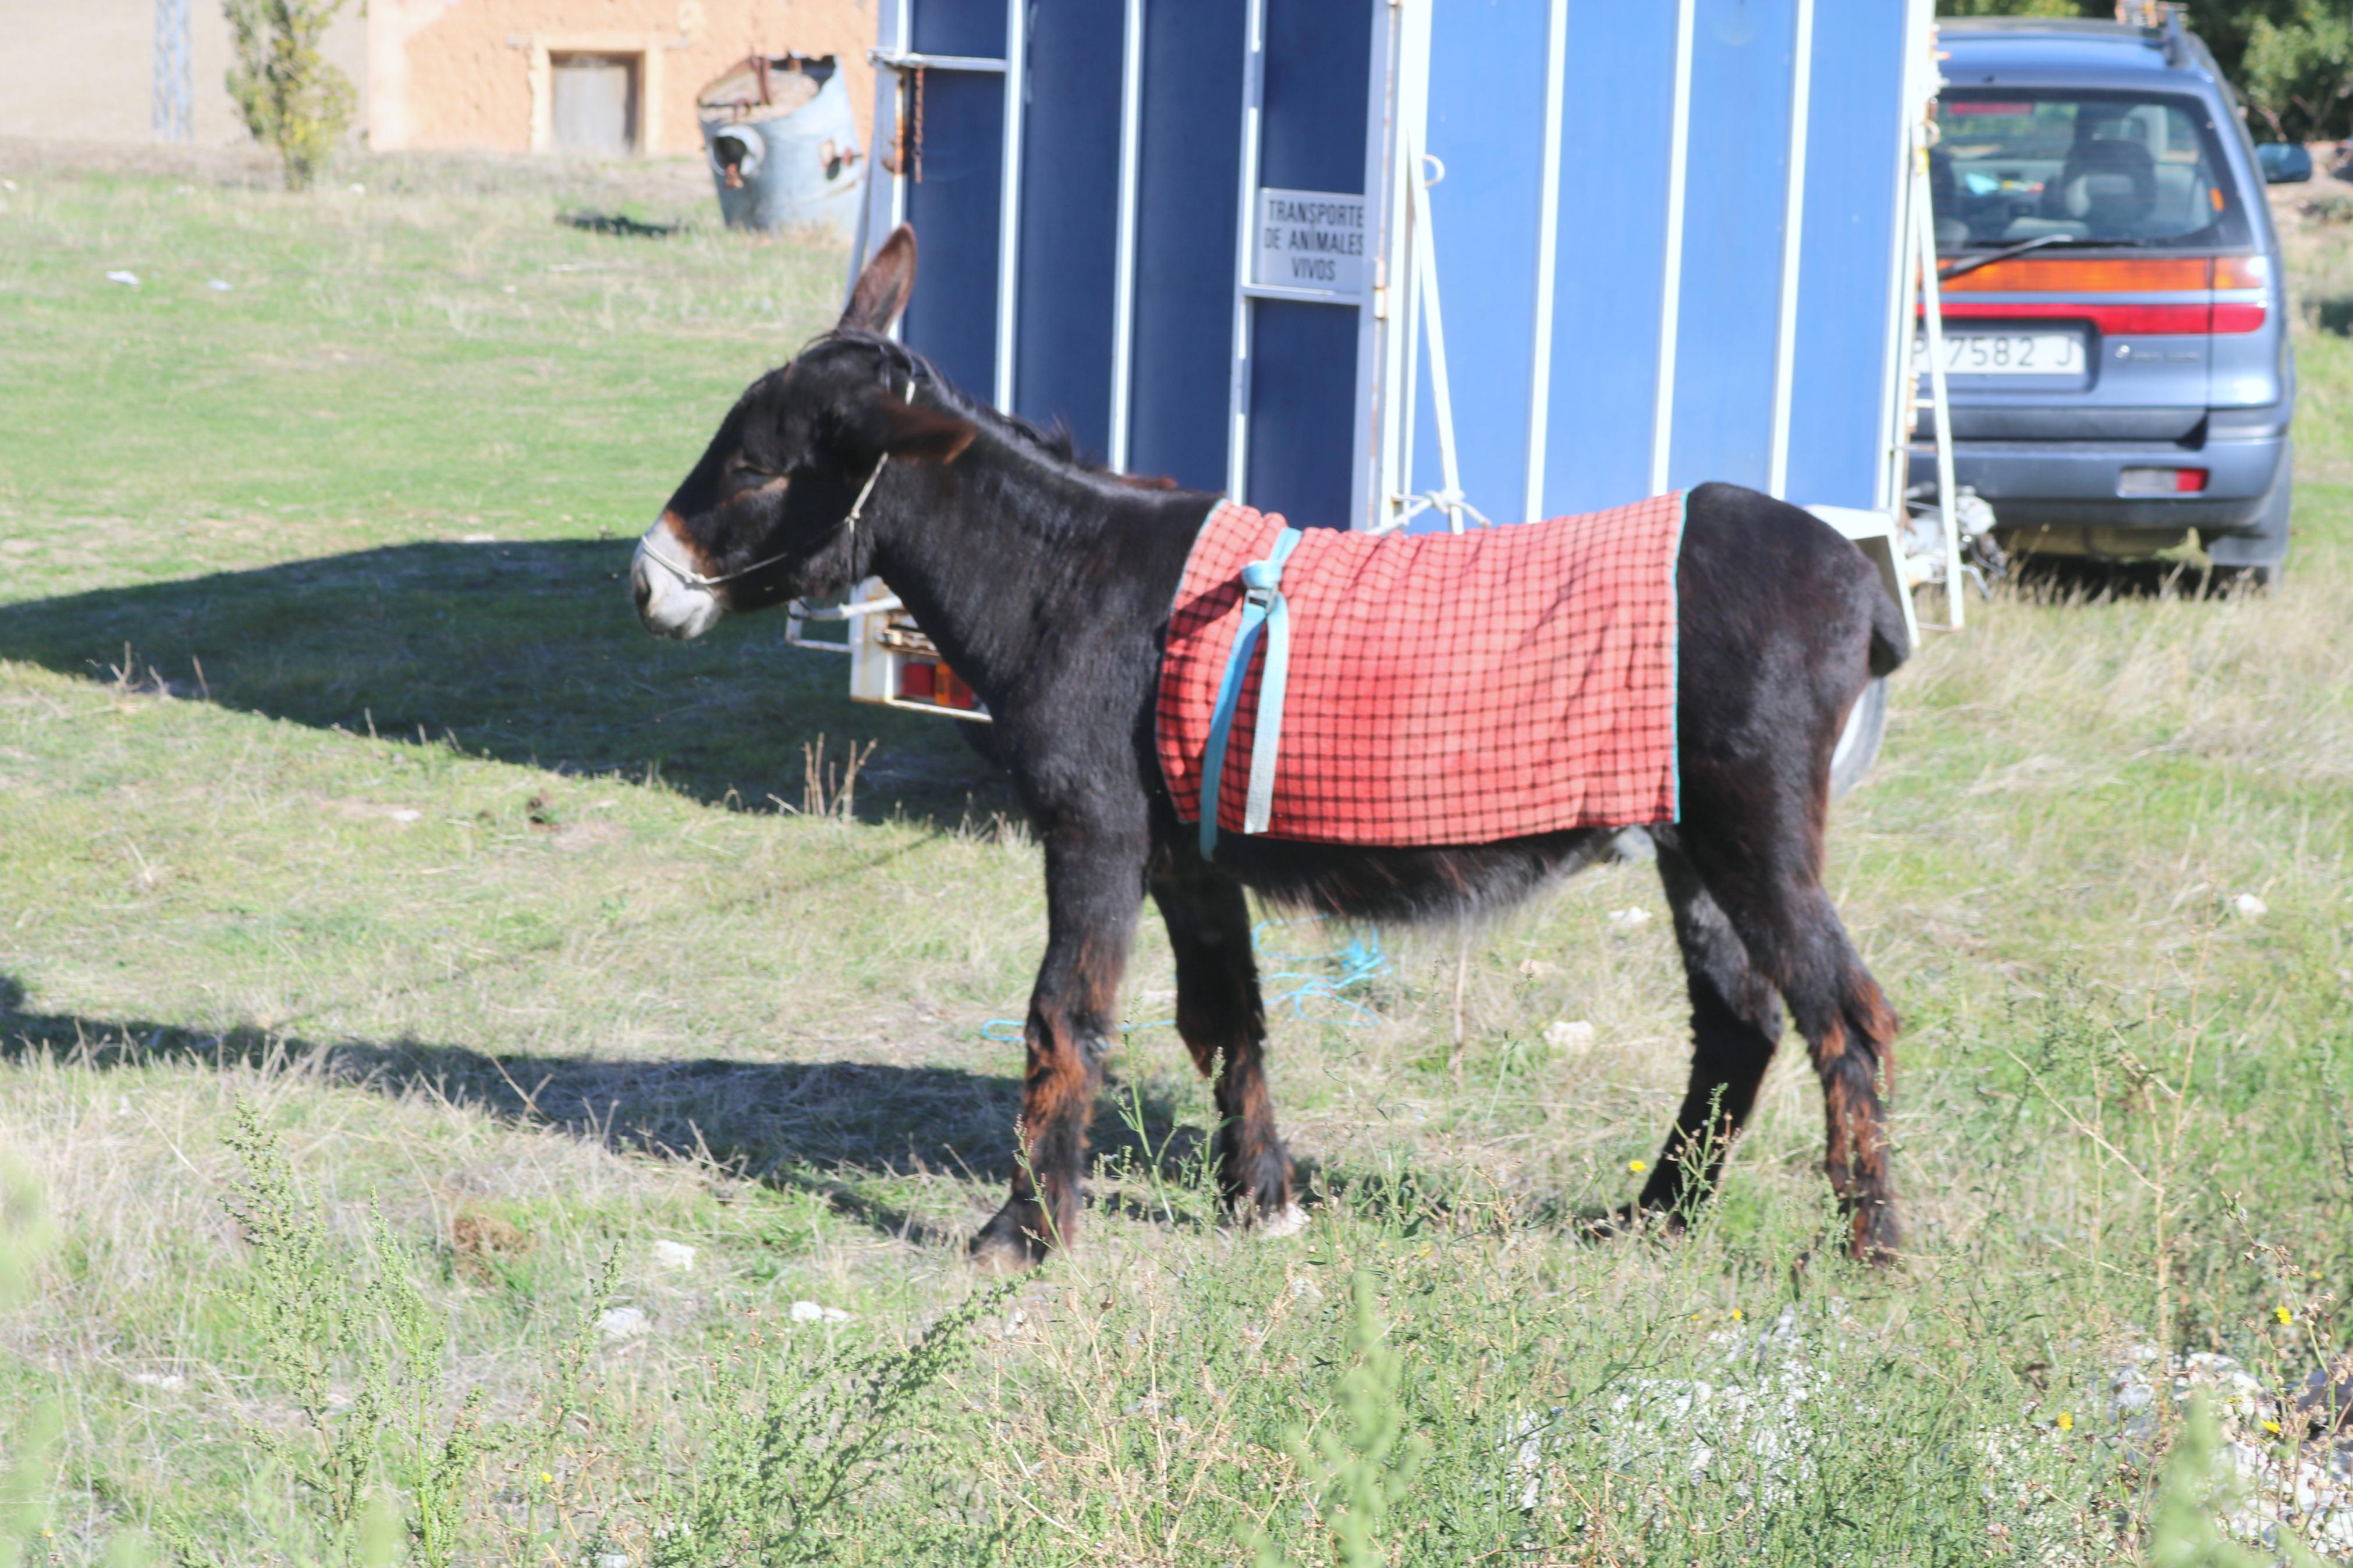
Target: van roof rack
{"type": "Point", "coordinates": [2177, 42]}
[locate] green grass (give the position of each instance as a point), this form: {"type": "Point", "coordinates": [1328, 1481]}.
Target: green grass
{"type": "Point", "coordinates": [507, 923]}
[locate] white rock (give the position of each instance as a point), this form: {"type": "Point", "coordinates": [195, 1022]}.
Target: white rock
{"type": "Point", "coordinates": [1626, 920]}
{"type": "Point", "coordinates": [811, 1312]}
{"type": "Point", "coordinates": [673, 1255]}
{"type": "Point", "coordinates": [169, 1382]}
{"type": "Point", "coordinates": [623, 1323]}
{"type": "Point", "coordinates": [129, 280]}
{"type": "Point", "coordinates": [1570, 1034]}
{"type": "Point", "coordinates": [2249, 907]}
{"type": "Point", "coordinates": [1289, 1222]}
{"type": "Point", "coordinates": [219, 285]}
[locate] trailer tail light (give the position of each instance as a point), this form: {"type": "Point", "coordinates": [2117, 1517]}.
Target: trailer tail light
{"type": "Point", "coordinates": [2161, 481]}
{"type": "Point", "coordinates": [935, 685]}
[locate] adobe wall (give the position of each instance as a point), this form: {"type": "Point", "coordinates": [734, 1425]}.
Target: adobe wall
{"type": "Point", "coordinates": [84, 70]}
{"type": "Point", "coordinates": [471, 74]}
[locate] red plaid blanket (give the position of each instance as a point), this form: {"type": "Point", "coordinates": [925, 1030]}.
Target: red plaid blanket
{"type": "Point", "coordinates": [1445, 689]}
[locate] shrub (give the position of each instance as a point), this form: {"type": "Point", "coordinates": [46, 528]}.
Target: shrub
{"type": "Point", "coordinates": [293, 99]}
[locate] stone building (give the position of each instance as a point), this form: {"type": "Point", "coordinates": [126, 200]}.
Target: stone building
{"type": "Point", "coordinates": [609, 77]}
{"type": "Point", "coordinates": [605, 77]}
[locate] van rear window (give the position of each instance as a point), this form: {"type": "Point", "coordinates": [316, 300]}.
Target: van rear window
{"type": "Point", "coordinates": [2089, 166]}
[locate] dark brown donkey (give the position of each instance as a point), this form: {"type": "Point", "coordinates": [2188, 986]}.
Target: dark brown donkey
{"type": "Point", "coordinates": [1047, 583]}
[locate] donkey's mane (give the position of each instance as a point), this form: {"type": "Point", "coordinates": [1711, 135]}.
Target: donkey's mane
{"type": "Point", "coordinates": [1055, 442]}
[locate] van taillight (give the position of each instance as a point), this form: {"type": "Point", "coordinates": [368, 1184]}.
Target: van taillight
{"type": "Point", "coordinates": [2243, 272]}
{"type": "Point", "coordinates": [2118, 275]}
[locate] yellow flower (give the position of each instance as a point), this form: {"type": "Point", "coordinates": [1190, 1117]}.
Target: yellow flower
{"type": "Point", "coordinates": [1638, 1166]}
{"type": "Point", "coordinates": [545, 1476]}
{"type": "Point", "coordinates": [2271, 1427]}
{"type": "Point", "coordinates": [1735, 1314]}
{"type": "Point", "coordinates": [2066, 1421]}
{"type": "Point", "coordinates": [2284, 1315]}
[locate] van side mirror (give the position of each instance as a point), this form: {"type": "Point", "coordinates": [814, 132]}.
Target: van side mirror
{"type": "Point", "coordinates": [2283, 163]}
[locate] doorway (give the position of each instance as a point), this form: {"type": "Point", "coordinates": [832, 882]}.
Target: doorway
{"type": "Point", "coordinates": [595, 103]}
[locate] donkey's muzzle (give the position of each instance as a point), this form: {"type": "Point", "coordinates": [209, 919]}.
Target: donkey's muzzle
{"type": "Point", "coordinates": [668, 605]}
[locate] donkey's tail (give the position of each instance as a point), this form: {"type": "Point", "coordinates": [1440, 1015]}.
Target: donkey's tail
{"type": "Point", "coordinates": [1889, 644]}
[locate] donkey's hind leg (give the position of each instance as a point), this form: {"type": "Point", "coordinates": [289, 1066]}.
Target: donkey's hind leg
{"type": "Point", "coordinates": [1220, 1015]}
{"type": "Point", "coordinates": [1735, 1026]}
{"type": "Point", "coordinates": [1763, 867]}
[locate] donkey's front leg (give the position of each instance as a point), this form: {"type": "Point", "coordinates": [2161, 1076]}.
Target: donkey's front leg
{"type": "Point", "coordinates": [1218, 1013]}
{"type": "Point", "coordinates": [1095, 883]}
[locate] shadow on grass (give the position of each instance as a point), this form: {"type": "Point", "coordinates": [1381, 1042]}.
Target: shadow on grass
{"type": "Point", "coordinates": [519, 652]}
{"type": "Point", "coordinates": [821, 1128]}
{"type": "Point", "coordinates": [2061, 578]}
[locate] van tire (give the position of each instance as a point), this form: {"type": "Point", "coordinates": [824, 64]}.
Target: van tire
{"type": "Point", "coordinates": [2259, 558]}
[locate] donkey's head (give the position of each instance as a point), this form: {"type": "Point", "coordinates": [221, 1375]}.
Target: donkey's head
{"type": "Point", "coordinates": [772, 511]}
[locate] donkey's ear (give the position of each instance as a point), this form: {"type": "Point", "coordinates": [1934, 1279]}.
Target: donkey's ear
{"type": "Point", "coordinates": [880, 294]}
{"type": "Point", "coordinates": [915, 434]}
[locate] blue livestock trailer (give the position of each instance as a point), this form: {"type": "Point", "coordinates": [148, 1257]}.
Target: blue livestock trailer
{"type": "Point", "coordinates": [1420, 263]}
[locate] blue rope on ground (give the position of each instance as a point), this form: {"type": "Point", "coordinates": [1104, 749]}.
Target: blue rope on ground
{"type": "Point", "coordinates": [1360, 960]}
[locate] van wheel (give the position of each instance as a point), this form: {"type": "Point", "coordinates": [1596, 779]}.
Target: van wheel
{"type": "Point", "coordinates": [2258, 559]}
{"type": "Point", "coordinates": [2262, 576]}
{"type": "Point", "coordinates": [1858, 744]}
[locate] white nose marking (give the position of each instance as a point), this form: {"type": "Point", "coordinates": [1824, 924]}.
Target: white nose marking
{"type": "Point", "coordinates": [667, 602]}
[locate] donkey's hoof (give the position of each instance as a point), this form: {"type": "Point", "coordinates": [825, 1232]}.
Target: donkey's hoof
{"type": "Point", "coordinates": [1008, 1243]}
{"type": "Point", "coordinates": [1878, 1238]}
{"type": "Point", "coordinates": [1628, 1220]}
{"type": "Point", "coordinates": [1288, 1220]}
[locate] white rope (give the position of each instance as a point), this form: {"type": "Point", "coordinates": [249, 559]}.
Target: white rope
{"type": "Point", "coordinates": [1448, 498]}
{"type": "Point", "coordinates": [1451, 502]}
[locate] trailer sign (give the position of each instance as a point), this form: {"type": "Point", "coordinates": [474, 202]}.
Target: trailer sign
{"type": "Point", "coordinates": [1311, 239]}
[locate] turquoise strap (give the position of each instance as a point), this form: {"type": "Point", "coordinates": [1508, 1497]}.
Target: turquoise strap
{"type": "Point", "coordinates": [1262, 606]}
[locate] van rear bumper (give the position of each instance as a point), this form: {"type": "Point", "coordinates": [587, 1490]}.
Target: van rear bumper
{"type": "Point", "coordinates": [2031, 483]}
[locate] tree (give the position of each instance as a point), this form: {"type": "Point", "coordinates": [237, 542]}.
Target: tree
{"type": "Point", "coordinates": [2297, 72]}
{"type": "Point", "coordinates": [292, 99]}
{"type": "Point", "coordinates": [2290, 61]}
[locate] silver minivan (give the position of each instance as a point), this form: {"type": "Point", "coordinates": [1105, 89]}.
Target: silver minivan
{"type": "Point", "coordinates": [2115, 335]}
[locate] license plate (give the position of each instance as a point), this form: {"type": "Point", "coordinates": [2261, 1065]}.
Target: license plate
{"type": "Point", "coordinates": [2011, 353]}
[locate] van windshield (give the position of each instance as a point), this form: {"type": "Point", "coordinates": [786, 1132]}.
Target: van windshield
{"type": "Point", "coordinates": [2013, 165]}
